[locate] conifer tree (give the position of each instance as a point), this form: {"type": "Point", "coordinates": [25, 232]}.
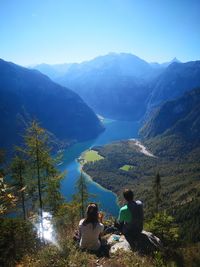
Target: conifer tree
{"type": "Point", "coordinates": [82, 195]}
{"type": "Point", "coordinates": [44, 180]}
{"type": "Point", "coordinates": [18, 175]}
{"type": "Point", "coordinates": [53, 198]}
{"type": "Point", "coordinates": [157, 191]}
{"type": "Point", "coordinates": [36, 150]}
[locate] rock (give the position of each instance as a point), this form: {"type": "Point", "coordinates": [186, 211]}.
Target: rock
{"type": "Point", "coordinates": [146, 243]}
{"type": "Point", "coordinates": [118, 242]}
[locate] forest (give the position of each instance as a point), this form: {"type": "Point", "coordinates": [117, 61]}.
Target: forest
{"type": "Point", "coordinates": [180, 190]}
{"type": "Point", "coordinates": [30, 190]}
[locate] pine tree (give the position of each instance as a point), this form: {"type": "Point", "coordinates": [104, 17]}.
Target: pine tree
{"type": "Point", "coordinates": [53, 198]}
{"type": "Point", "coordinates": [36, 150]}
{"type": "Point", "coordinates": [18, 176]}
{"type": "Point", "coordinates": [82, 195]}
{"type": "Point", "coordinates": [157, 191]}
{"type": "Point", "coordinates": [44, 178]}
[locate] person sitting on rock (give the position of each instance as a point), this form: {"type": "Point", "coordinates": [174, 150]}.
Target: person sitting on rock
{"type": "Point", "coordinates": [91, 228]}
{"type": "Point", "coordinates": [131, 217]}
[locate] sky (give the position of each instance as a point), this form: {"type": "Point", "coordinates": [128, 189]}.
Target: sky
{"type": "Point", "coordinates": [66, 31]}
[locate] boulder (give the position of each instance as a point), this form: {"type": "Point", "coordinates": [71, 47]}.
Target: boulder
{"type": "Point", "coordinates": [146, 243]}
{"type": "Point", "coordinates": [118, 242]}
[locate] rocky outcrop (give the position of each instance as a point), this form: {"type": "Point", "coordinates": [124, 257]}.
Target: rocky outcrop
{"type": "Point", "coordinates": [146, 243]}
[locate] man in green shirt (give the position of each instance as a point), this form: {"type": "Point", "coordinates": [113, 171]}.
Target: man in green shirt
{"type": "Point", "coordinates": [131, 217]}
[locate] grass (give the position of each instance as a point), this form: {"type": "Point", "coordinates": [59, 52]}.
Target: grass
{"type": "Point", "coordinates": [126, 167]}
{"type": "Point", "coordinates": [90, 156]}
{"type": "Point", "coordinates": [69, 256]}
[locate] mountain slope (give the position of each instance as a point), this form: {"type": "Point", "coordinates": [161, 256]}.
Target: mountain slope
{"type": "Point", "coordinates": [53, 71]}
{"type": "Point", "coordinates": [28, 93]}
{"type": "Point", "coordinates": [181, 116]}
{"type": "Point", "coordinates": [176, 79]}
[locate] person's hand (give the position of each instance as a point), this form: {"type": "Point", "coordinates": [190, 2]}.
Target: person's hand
{"type": "Point", "coordinates": [100, 215]}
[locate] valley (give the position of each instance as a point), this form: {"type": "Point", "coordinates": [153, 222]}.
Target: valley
{"type": "Point", "coordinates": [155, 130]}
{"type": "Point", "coordinates": [97, 97]}
{"type": "Point", "coordinates": [114, 130]}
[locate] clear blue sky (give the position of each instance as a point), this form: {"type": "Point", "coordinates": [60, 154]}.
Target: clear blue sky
{"type": "Point", "coordinates": [58, 31]}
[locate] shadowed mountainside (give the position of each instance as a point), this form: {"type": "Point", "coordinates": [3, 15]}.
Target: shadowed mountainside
{"type": "Point", "coordinates": [26, 93]}
{"type": "Point", "coordinates": [175, 80]}
{"type": "Point", "coordinates": [179, 117]}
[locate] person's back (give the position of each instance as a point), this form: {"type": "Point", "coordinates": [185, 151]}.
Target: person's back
{"type": "Point", "coordinates": [90, 235]}
{"type": "Point", "coordinates": [131, 217]}
{"type": "Point", "coordinates": [134, 211]}
{"type": "Point", "coordinates": [90, 229]}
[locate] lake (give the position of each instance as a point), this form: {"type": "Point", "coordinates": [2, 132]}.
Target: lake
{"type": "Point", "coordinates": [114, 131]}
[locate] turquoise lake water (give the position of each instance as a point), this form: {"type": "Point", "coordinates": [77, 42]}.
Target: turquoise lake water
{"type": "Point", "coordinates": [114, 131]}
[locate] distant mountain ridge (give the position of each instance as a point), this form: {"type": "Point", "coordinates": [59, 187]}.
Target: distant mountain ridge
{"type": "Point", "coordinates": [53, 71]}
{"type": "Point", "coordinates": [25, 92]}
{"type": "Point", "coordinates": [119, 77]}
{"type": "Point", "coordinates": [165, 64]}
{"type": "Point", "coordinates": [134, 85]}
{"type": "Point", "coordinates": [173, 82]}
{"type": "Point", "coordinates": [121, 60]}
{"type": "Point", "coordinates": [180, 117]}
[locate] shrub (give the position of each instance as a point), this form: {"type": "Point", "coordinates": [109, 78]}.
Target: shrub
{"type": "Point", "coordinates": [17, 237]}
{"type": "Point", "coordinates": [163, 226]}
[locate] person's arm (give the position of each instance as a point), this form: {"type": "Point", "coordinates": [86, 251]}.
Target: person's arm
{"type": "Point", "coordinates": [100, 216]}
{"type": "Point", "coordinates": [120, 221]}
{"type": "Point", "coordinates": [80, 227]}
{"type": "Point", "coordinates": [121, 216]}
{"type": "Point", "coordinates": [101, 230]}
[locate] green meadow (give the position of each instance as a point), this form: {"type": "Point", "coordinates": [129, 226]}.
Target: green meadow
{"type": "Point", "coordinates": [91, 155]}
{"type": "Point", "coordinates": [126, 167]}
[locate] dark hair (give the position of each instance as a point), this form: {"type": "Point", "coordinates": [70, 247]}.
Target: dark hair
{"type": "Point", "coordinates": [128, 194]}
{"type": "Point", "coordinates": [91, 214]}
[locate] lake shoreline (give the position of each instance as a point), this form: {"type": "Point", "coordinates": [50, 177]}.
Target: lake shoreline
{"type": "Point", "coordinates": [81, 161]}
{"type": "Point", "coordinates": [115, 131]}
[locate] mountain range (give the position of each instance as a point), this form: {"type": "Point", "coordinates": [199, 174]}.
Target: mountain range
{"type": "Point", "coordinates": [123, 86]}
{"type": "Point", "coordinates": [28, 94]}
{"type": "Point", "coordinates": [115, 76]}
{"type": "Point", "coordinates": [118, 86]}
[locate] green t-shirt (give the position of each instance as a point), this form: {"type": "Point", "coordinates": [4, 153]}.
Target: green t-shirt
{"type": "Point", "coordinates": [125, 215]}
{"type": "Point", "coordinates": [133, 210]}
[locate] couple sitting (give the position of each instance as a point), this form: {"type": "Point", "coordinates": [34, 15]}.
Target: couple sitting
{"type": "Point", "coordinates": [130, 221]}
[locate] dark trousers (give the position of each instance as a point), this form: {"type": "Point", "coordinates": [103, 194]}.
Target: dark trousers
{"type": "Point", "coordinates": [132, 236]}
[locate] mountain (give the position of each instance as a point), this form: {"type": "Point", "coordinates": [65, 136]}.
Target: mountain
{"type": "Point", "coordinates": [28, 93]}
{"type": "Point", "coordinates": [113, 85]}
{"type": "Point", "coordinates": [53, 71]}
{"type": "Point", "coordinates": [123, 86]}
{"type": "Point", "coordinates": [174, 60]}
{"type": "Point", "coordinates": [180, 117]}
{"type": "Point", "coordinates": [176, 79]}
{"type": "Point", "coordinates": [172, 136]}
{"type": "Point", "coordinates": [123, 63]}
{"type": "Point", "coordinates": [121, 77]}
{"type": "Point", "coordinates": [165, 64]}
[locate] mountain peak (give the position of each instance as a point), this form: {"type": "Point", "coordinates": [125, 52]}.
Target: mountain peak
{"type": "Point", "coordinates": [175, 60]}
